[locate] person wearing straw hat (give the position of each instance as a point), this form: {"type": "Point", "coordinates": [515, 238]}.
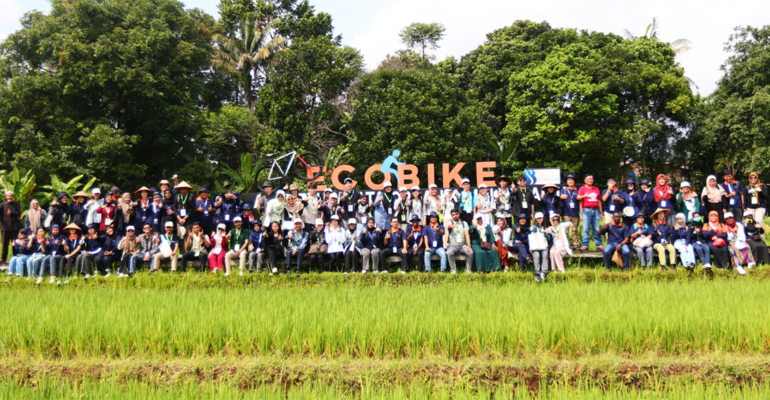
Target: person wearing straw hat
{"type": "Point", "coordinates": [172, 240]}
{"type": "Point", "coordinates": [164, 184]}
{"type": "Point", "coordinates": [142, 206]}
{"type": "Point", "coordinates": [755, 194]}
{"type": "Point", "coordinates": [661, 237]}
{"type": "Point", "coordinates": [484, 248]}
{"type": "Point", "coordinates": [184, 203]}
{"type": "Point", "coordinates": [297, 240]}
{"type": "Point", "coordinates": [78, 211]}
{"type": "Point", "coordinates": [503, 197]}
{"type": "Point", "coordinates": [73, 244]}
{"type": "Point", "coordinates": [550, 201]}
{"type": "Point", "coordinates": [617, 241]}
{"type": "Point", "coordinates": [239, 246]}
{"type": "Point", "coordinates": [571, 209]}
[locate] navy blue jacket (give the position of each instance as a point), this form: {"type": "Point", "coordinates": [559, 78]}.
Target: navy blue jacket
{"type": "Point", "coordinates": [434, 238]}
{"type": "Point", "coordinates": [661, 232]}
{"type": "Point", "coordinates": [615, 233]}
{"type": "Point", "coordinates": [370, 239]}
{"type": "Point", "coordinates": [681, 233]}
{"type": "Point", "coordinates": [396, 240]}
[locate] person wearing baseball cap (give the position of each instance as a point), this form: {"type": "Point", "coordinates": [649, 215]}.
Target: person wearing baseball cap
{"type": "Point", "coordinates": [383, 207]}
{"type": "Point", "coordinates": [317, 245]}
{"type": "Point", "coordinates": [687, 201]}
{"type": "Point", "coordinates": [433, 238]}
{"type": "Point", "coordinates": [352, 246]}
{"type": "Point", "coordinates": [239, 246]}
{"type": "Point", "coordinates": [614, 199]}
{"type": "Point", "coordinates": [616, 239]}
{"type": "Point", "coordinates": [92, 215]}
{"type": "Point", "coordinates": [196, 247]}
{"type": "Point", "coordinates": [169, 237]}
{"type": "Point", "coordinates": [331, 208]}
{"type": "Point", "coordinates": [433, 201]}
{"type": "Point", "coordinates": [350, 199]}
{"type": "Point", "coordinates": [129, 248]}
{"type": "Point", "coordinates": [263, 198]}
{"type": "Point", "coordinates": [297, 242]}
{"type": "Point", "coordinates": [571, 209]}
{"type": "Point", "coordinates": [550, 201]}
{"type": "Point", "coordinates": [335, 240]}
{"type": "Point", "coordinates": [415, 244]}
{"type": "Point", "coordinates": [466, 201]}
{"type": "Point", "coordinates": [218, 248]}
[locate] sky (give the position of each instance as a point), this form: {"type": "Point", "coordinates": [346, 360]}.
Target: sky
{"type": "Point", "coordinates": [373, 26]}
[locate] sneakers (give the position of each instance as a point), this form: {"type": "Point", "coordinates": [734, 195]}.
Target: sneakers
{"type": "Point", "coordinates": [401, 271]}
{"type": "Point", "coordinates": [752, 264]}
{"type": "Point", "coordinates": [740, 269]}
{"type": "Point", "coordinates": [454, 272]}
{"type": "Point", "coordinates": [506, 269]}
{"type": "Point", "coordinates": [275, 269]}
{"type": "Point", "coordinates": [107, 275]}
{"type": "Point", "coordinates": [39, 280]}
{"type": "Point", "coordinates": [240, 273]}
{"type": "Point", "coordinates": [58, 282]}
{"type": "Point", "coordinates": [227, 274]}
{"type": "Point", "coordinates": [8, 279]}
{"type": "Point", "coordinates": [87, 276]}
{"type": "Point", "coordinates": [537, 278]}
{"type": "Point", "coordinates": [542, 276]}
{"type": "Point", "coordinates": [384, 271]}
{"type": "Point", "coordinates": [707, 266]}
{"type": "Point", "coordinates": [52, 280]}
{"type": "Point", "coordinates": [66, 281]}
{"type": "Point", "coordinates": [363, 272]}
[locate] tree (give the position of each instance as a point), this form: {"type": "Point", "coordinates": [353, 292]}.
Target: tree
{"type": "Point", "coordinates": [424, 115]}
{"type": "Point", "coordinates": [678, 46]}
{"type": "Point", "coordinates": [247, 51]}
{"type": "Point", "coordinates": [105, 88]}
{"type": "Point", "coordinates": [733, 132]}
{"type": "Point", "coordinates": [422, 36]}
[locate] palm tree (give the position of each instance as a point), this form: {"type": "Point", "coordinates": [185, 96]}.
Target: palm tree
{"type": "Point", "coordinates": [678, 46]}
{"type": "Point", "coordinates": [246, 51]}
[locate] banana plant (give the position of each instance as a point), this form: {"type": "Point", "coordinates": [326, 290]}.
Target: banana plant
{"type": "Point", "coordinates": [21, 186]}
{"type": "Point", "coordinates": [57, 186]}
{"type": "Point", "coordinates": [243, 179]}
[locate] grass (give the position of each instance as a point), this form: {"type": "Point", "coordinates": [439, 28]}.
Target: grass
{"type": "Point", "coordinates": [454, 321]}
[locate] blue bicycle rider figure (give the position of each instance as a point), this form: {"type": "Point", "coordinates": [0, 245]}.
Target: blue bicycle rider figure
{"type": "Point", "coordinates": [387, 165]}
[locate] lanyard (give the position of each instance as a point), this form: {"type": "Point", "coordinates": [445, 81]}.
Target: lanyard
{"type": "Point", "coordinates": [184, 198]}
{"type": "Point", "coordinates": [388, 198]}
{"type": "Point", "coordinates": [237, 236]}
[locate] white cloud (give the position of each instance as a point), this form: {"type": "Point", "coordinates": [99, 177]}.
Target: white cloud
{"type": "Point", "coordinates": [467, 23]}
{"type": "Point", "coordinates": [9, 18]}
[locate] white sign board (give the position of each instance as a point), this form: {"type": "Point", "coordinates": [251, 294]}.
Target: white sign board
{"type": "Point", "coordinates": [543, 176]}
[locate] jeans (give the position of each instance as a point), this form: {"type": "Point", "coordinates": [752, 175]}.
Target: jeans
{"type": "Point", "coordinates": [540, 258]}
{"type": "Point", "coordinates": [442, 255]}
{"type": "Point", "coordinates": [686, 252]}
{"type": "Point", "coordinates": [17, 265]}
{"type": "Point", "coordinates": [52, 262]}
{"type": "Point", "coordinates": [258, 258]}
{"type": "Point", "coordinates": [372, 255]}
{"type": "Point", "coordinates": [521, 250]}
{"type": "Point", "coordinates": [609, 249]}
{"type": "Point", "coordinates": [202, 259]}
{"type": "Point", "coordinates": [645, 256]}
{"type": "Point", "coordinates": [591, 218]}
{"type": "Point", "coordinates": [34, 263]}
{"type": "Point", "coordinates": [704, 253]}
{"type": "Point", "coordinates": [461, 249]}
{"type": "Point", "coordinates": [132, 262]}
{"type": "Point", "coordinates": [297, 256]}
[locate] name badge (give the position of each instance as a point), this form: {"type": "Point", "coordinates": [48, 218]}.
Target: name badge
{"type": "Point", "coordinates": [390, 210]}
{"type": "Point", "coordinates": [350, 208]}
{"type": "Point", "coordinates": [182, 212]}
{"type": "Point", "coordinates": [156, 221]}
{"type": "Point", "coordinates": [144, 218]}
{"type": "Point", "coordinates": [147, 254]}
{"type": "Point", "coordinates": [612, 208]}
{"type": "Point", "coordinates": [54, 253]}
{"type": "Point", "coordinates": [395, 250]}
{"type": "Point", "coordinates": [732, 201]}
{"type": "Point", "coordinates": [507, 206]}
{"type": "Point", "coordinates": [435, 243]}
{"type": "Point", "coordinates": [206, 213]}
{"type": "Point", "coordinates": [524, 204]}
{"type": "Point", "coordinates": [571, 204]}
{"type": "Point", "coordinates": [754, 200]}
{"type": "Point", "coordinates": [663, 203]}
{"type": "Point", "coordinates": [237, 247]}
{"type": "Point", "coordinates": [197, 253]}
{"type": "Point", "coordinates": [227, 217]}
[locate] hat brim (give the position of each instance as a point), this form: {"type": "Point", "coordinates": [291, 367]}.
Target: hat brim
{"type": "Point", "coordinates": [143, 189]}
{"type": "Point", "coordinates": [183, 186]}
{"type": "Point", "coordinates": [72, 226]}
{"type": "Point", "coordinates": [502, 178]}
{"type": "Point", "coordinates": [660, 210]}
{"type": "Point", "coordinates": [550, 185]}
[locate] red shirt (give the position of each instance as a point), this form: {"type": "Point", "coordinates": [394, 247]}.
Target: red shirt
{"type": "Point", "coordinates": [594, 196]}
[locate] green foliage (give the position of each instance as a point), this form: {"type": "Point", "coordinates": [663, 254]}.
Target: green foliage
{"type": "Point", "coordinates": [242, 179]}
{"type": "Point", "coordinates": [21, 185]}
{"type": "Point", "coordinates": [422, 36]}
{"type": "Point", "coordinates": [57, 186]}
{"type": "Point", "coordinates": [424, 115]}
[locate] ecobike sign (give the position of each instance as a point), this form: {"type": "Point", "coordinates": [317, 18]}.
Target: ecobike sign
{"type": "Point", "coordinates": [543, 176]}
{"type": "Point", "coordinates": [407, 174]}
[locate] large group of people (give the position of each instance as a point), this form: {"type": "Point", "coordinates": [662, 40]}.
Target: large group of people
{"type": "Point", "coordinates": [492, 228]}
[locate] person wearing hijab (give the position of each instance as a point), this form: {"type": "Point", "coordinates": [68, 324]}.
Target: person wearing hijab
{"type": "Point", "coordinates": [698, 242]}
{"type": "Point", "coordinates": [682, 237]}
{"type": "Point", "coordinates": [688, 201]}
{"type": "Point", "coordinates": [292, 211]}
{"type": "Point", "coordinates": [370, 251]}
{"type": "Point", "coordinates": [755, 194]}
{"type": "Point", "coordinates": [383, 207]}
{"type": "Point", "coordinates": [352, 246]}
{"type": "Point", "coordinates": [713, 198]}
{"type": "Point", "coordinates": [108, 211]}
{"type": "Point", "coordinates": [661, 237]}
{"type": "Point", "coordinates": [317, 246]}
{"type": "Point", "coordinates": [503, 234]}
{"type": "Point", "coordinates": [715, 235]}
{"type": "Point", "coordinates": [484, 205]}
{"type": "Point", "coordinates": [640, 235]}
{"type": "Point", "coordinates": [484, 249]}
{"type": "Point", "coordinates": [754, 231]}
{"type": "Point", "coordinates": [186, 210]}
{"type": "Point", "coordinates": [520, 242]}
{"type": "Point", "coordinates": [59, 210]}
{"type": "Point", "coordinates": [736, 244]}
{"type": "Point", "coordinates": [110, 252]}
{"type": "Point", "coordinates": [128, 246]}
{"type": "Point", "coordinates": [664, 197]}
{"type": "Point", "coordinates": [644, 200]}
{"type": "Point", "coordinates": [550, 202]}
{"type": "Point", "coordinates": [56, 243]}
{"type": "Point", "coordinates": [560, 246]}
{"type": "Point", "coordinates": [539, 248]}
{"type": "Point", "coordinates": [335, 242]}
{"type": "Point", "coordinates": [35, 217]}
{"type": "Point", "coordinates": [72, 246]}
{"type": "Point", "coordinates": [142, 207]}
{"type": "Point", "coordinates": [39, 246]}
{"type": "Point", "coordinates": [126, 213]}
{"type": "Point", "coordinates": [169, 211]}
{"type": "Point", "coordinates": [275, 207]}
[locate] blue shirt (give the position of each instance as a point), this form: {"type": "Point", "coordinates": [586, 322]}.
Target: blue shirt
{"type": "Point", "coordinates": [735, 201]}
{"type": "Point", "coordinates": [433, 237]}
{"type": "Point", "coordinates": [416, 237]}
{"type": "Point", "coordinates": [570, 205]}
{"type": "Point", "coordinates": [256, 239]}
{"type": "Point", "coordinates": [370, 239]}
{"type": "Point", "coordinates": [205, 218]}
{"type": "Point", "coordinates": [660, 233]}
{"type": "Point", "coordinates": [611, 205]}
{"type": "Point", "coordinates": [396, 240]}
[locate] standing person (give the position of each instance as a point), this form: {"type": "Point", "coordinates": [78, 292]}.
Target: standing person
{"type": "Point", "coordinates": [415, 247]}
{"type": "Point", "coordinates": [350, 199]}
{"type": "Point", "coordinates": [523, 199]}
{"type": "Point", "coordinates": [590, 212]}
{"type": "Point", "coordinates": [35, 217]}
{"type": "Point", "coordinates": [72, 246]}
{"type": "Point", "coordinates": [402, 207]}
{"type": "Point", "coordinates": [482, 244]}
{"type": "Point", "coordinates": [171, 239]}
{"type": "Point", "coordinates": [503, 234]}
{"type": "Point", "coordinates": [108, 211]}
{"type": "Point", "coordinates": [736, 244]}
{"type": "Point", "coordinates": [415, 205]}
{"type": "Point", "coordinates": [370, 243]}
{"type": "Point", "coordinates": [39, 246]}
{"type": "Point", "coordinates": [560, 246]}
{"type": "Point", "coordinates": [754, 231]}
{"type": "Point", "coordinates": [275, 207]}
{"type": "Point", "coordinates": [249, 218]}
{"type": "Point", "coordinates": [503, 197]}
{"type": "Point", "coordinates": [630, 210]}
{"type": "Point", "coordinates": [335, 240]}
{"type": "Point", "coordinates": [60, 209]}
{"type": "Point", "coordinates": [713, 198]}
{"type": "Point", "coordinates": [125, 214]}
{"type": "Point", "coordinates": [142, 207]}
{"type": "Point", "coordinates": [330, 208]}
{"type": "Point", "coordinates": [92, 247]}
{"type": "Point", "coordinates": [317, 245]}
{"type": "Point", "coordinates": [56, 244]}
{"type": "Point", "coordinates": [184, 203]}
{"type": "Point", "coordinates": [433, 201]}
{"type": "Point", "coordinates": [640, 236]}
{"type": "Point", "coordinates": [395, 246]}
{"type": "Point", "coordinates": [521, 241]}
{"type": "Point", "coordinates": [571, 210]}
{"type": "Point", "coordinates": [239, 247]}
{"type": "Point", "coordinates": [538, 247]}
{"type": "Point", "coordinates": [262, 199]}
{"type": "Point", "coordinates": [257, 253]}
{"type": "Point", "coordinates": [644, 200]}
{"type": "Point", "coordinates": [169, 211]}
{"type": "Point", "coordinates": [109, 254]}
{"type": "Point", "coordinates": [218, 249]}
{"type": "Point", "coordinates": [688, 201]}
{"type": "Point", "coordinates": [715, 235]}
{"type": "Point", "coordinates": [128, 247]}
{"type": "Point", "coordinates": [275, 245]}
{"type": "Point", "coordinates": [227, 206]}
{"type": "Point", "coordinates": [616, 241]}
{"type": "Point", "coordinates": [205, 211]}
{"type": "Point", "coordinates": [682, 236]}
{"type": "Point", "coordinates": [164, 184]}
{"type": "Point", "coordinates": [93, 217]}
{"type": "Point", "coordinates": [466, 201]}
{"type": "Point", "coordinates": [733, 194]}
{"type": "Point", "coordinates": [664, 197]}
{"type": "Point", "coordinates": [484, 205]}
{"type": "Point", "coordinates": [661, 237]}
{"type": "Point", "coordinates": [755, 194]}
{"type": "Point", "coordinates": [311, 204]}
{"type": "Point", "coordinates": [550, 201]}
{"type": "Point", "coordinates": [21, 254]}
{"type": "Point", "coordinates": [297, 241]}
{"type": "Point", "coordinates": [614, 199]}
{"type": "Point", "coordinates": [433, 237]}
{"type": "Point", "coordinates": [78, 211]}
{"type": "Point", "coordinates": [352, 246]}
{"type": "Point", "coordinates": [459, 240]}
{"type": "Point", "coordinates": [148, 245]}
{"type": "Point", "coordinates": [155, 213]}
{"type": "Point", "coordinates": [698, 243]}
{"type": "Point", "coordinates": [383, 207]}
{"type": "Point", "coordinates": [196, 245]}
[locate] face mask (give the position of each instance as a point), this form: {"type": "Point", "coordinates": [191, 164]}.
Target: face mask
{"type": "Point", "coordinates": [696, 219]}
